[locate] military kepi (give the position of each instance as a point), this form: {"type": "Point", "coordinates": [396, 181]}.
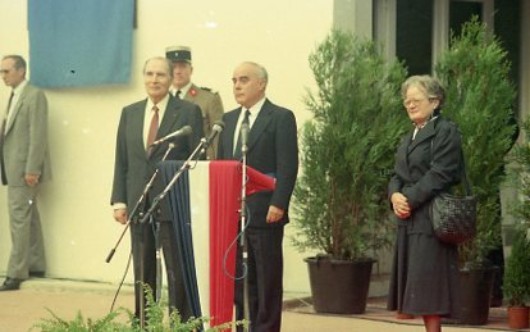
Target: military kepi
{"type": "Point", "coordinates": [178, 53]}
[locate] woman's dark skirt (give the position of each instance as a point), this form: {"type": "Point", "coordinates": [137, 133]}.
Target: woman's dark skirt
{"type": "Point", "coordinates": [424, 278]}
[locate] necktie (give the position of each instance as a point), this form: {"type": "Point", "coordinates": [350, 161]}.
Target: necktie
{"type": "Point", "coordinates": [177, 94]}
{"type": "Point", "coordinates": [2, 134]}
{"type": "Point", "coordinates": [9, 102]}
{"type": "Point", "coordinates": [237, 151]}
{"type": "Point", "coordinates": [153, 130]}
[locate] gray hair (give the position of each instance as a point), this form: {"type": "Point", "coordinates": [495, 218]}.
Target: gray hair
{"type": "Point", "coordinates": [262, 72]}
{"type": "Point", "coordinates": [430, 85]}
{"type": "Point", "coordinates": [20, 63]}
{"type": "Point", "coordinates": [167, 61]}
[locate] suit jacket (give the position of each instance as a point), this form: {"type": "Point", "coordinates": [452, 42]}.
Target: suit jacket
{"type": "Point", "coordinates": [420, 181]}
{"type": "Point", "coordinates": [133, 168]}
{"type": "Point", "coordinates": [212, 111]}
{"type": "Point", "coordinates": [272, 150]}
{"type": "Point", "coordinates": [26, 138]}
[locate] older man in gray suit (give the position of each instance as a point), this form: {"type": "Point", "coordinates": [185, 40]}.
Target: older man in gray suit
{"type": "Point", "coordinates": [25, 163]}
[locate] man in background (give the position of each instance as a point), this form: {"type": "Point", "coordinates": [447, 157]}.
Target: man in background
{"type": "Point", "coordinates": [142, 123]}
{"type": "Point", "coordinates": [24, 163]}
{"type": "Point", "coordinates": [272, 150]}
{"type": "Point", "coordinates": [182, 87]}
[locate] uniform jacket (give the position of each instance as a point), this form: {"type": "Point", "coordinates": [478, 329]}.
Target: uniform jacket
{"type": "Point", "coordinates": [212, 110]}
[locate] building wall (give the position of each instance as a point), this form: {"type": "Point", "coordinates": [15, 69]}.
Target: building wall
{"type": "Point", "coordinates": [77, 218]}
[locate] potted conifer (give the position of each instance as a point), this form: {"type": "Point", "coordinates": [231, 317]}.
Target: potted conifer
{"type": "Point", "coordinates": [347, 157]}
{"type": "Point", "coordinates": [517, 281]}
{"type": "Point", "coordinates": [480, 100]}
{"type": "Point", "coordinates": [517, 273]}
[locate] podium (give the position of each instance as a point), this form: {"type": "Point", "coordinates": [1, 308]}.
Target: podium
{"type": "Point", "coordinates": [204, 207]}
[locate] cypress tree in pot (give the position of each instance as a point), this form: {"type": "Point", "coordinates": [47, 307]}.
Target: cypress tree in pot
{"type": "Point", "coordinates": [347, 157]}
{"type": "Point", "coordinates": [480, 99]}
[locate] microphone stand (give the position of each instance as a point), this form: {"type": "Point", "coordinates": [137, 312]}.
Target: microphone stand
{"type": "Point", "coordinates": [133, 213]}
{"type": "Point", "coordinates": [140, 201]}
{"type": "Point", "coordinates": [185, 166]}
{"type": "Point", "coordinates": [243, 224]}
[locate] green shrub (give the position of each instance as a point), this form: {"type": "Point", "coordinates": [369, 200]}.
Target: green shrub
{"type": "Point", "coordinates": [480, 98]}
{"type": "Point", "coordinates": [348, 149]}
{"type": "Point", "coordinates": [517, 272]}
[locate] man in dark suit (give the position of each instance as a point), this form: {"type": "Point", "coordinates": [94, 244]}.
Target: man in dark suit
{"type": "Point", "coordinates": [25, 163]}
{"type": "Point", "coordinates": [272, 150]}
{"type": "Point", "coordinates": [156, 116]}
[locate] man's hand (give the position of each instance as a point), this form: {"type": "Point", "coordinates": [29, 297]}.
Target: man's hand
{"type": "Point", "coordinates": [120, 215]}
{"type": "Point", "coordinates": [275, 214]}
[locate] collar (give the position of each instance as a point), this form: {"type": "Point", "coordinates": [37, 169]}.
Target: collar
{"type": "Point", "coordinates": [183, 91]}
{"type": "Point", "coordinates": [18, 90]}
{"type": "Point", "coordinates": [421, 125]}
{"type": "Point", "coordinates": [256, 108]}
{"type": "Point", "coordinates": [162, 105]}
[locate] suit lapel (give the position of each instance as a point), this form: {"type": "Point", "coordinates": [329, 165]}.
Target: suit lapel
{"type": "Point", "coordinates": [171, 116]}
{"type": "Point", "coordinates": [16, 108]}
{"type": "Point", "coordinates": [426, 133]}
{"type": "Point", "coordinates": [259, 125]}
{"type": "Point", "coordinates": [230, 127]}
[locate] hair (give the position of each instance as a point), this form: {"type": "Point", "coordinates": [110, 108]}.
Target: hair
{"type": "Point", "coordinates": [430, 85]}
{"type": "Point", "coordinates": [262, 72]}
{"type": "Point", "coordinates": [20, 63]}
{"type": "Point", "coordinates": [167, 61]}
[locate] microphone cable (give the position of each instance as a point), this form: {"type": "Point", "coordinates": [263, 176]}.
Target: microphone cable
{"type": "Point", "coordinates": [122, 281]}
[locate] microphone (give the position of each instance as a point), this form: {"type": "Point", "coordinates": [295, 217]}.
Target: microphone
{"type": "Point", "coordinates": [184, 131]}
{"type": "Point", "coordinates": [217, 128]}
{"type": "Point", "coordinates": [244, 137]}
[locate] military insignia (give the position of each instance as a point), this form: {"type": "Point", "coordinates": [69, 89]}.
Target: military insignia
{"type": "Point", "coordinates": [208, 89]}
{"type": "Point", "coordinates": [193, 92]}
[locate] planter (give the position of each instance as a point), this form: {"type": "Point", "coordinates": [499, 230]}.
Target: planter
{"type": "Point", "coordinates": [518, 317]}
{"type": "Point", "coordinates": [475, 295]}
{"type": "Point", "coordinates": [339, 287]}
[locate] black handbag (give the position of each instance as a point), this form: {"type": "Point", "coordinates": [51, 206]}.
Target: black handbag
{"type": "Point", "coordinates": [454, 217]}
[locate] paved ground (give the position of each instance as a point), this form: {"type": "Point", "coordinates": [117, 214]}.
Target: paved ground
{"type": "Point", "coordinates": [20, 310]}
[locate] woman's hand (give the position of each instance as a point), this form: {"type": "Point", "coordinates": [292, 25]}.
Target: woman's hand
{"type": "Point", "coordinates": [400, 205]}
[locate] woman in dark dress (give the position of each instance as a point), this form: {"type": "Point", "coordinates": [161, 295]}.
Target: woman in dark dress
{"type": "Point", "coordinates": [428, 161]}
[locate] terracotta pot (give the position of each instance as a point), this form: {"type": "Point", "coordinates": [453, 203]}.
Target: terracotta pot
{"type": "Point", "coordinates": [518, 317]}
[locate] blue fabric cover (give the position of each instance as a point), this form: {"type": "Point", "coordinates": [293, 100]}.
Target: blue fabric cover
{"type": "Point", "coordinates": [80, 43]}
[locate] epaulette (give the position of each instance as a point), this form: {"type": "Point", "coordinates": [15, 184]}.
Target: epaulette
{"type": "Point", "coordinates": [208, 89]}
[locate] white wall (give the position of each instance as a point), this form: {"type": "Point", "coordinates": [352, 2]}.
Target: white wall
{"type": "Point", "coordinates": [78, 226]}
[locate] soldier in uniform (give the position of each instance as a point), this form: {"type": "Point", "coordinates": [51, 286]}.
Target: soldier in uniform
{"type": "Point", "coordinates": [182, 87]}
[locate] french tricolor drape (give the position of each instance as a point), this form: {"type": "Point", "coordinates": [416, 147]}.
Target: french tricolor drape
{"type": "Point", "coordinates": [205, 203]}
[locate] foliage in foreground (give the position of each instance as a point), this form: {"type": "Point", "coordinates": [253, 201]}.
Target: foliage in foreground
{"type": "Point", "coordinates": [112, 322]}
